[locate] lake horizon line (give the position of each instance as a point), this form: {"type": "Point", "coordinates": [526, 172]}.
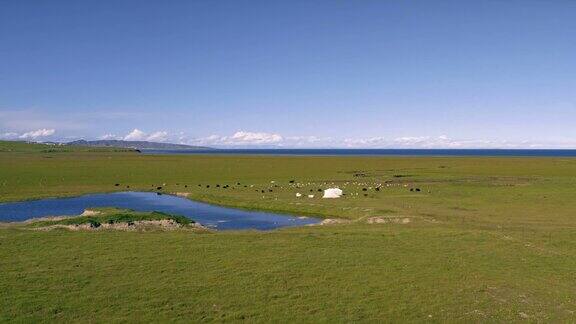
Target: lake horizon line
{"type": "Point", "coordinates": [499, 152]}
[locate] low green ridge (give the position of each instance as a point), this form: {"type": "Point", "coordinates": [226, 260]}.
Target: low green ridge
{"type": "Point", "coordinates": [113, 216]}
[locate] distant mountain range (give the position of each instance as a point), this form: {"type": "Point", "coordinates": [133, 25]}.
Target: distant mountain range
{"type": "Point", "coordinates": [139, 145]}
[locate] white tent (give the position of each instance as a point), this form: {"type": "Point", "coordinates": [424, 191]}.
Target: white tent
{"type": "Point", "coordinates": [332, 193]}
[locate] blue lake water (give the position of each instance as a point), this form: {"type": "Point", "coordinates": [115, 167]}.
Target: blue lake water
{"type": "Point", "coordinates": [375, 152]}
{"type": "Point", "coordinates": [220, 218]}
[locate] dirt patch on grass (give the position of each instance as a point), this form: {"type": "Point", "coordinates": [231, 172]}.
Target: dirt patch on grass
{"type": "Point", "coordinates": [370, 220]}
{"type": "Point", "coordinates": [388, 220]}
{"type": "Point", "coordinates": [332, 221]}
{"type": "Point", "coordinates": [144, 225]}
{"type": "Point", "coordinates": [88, 212]}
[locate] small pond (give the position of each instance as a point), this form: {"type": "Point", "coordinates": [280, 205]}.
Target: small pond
{"type": "Point", "coordinates": [220, 218]}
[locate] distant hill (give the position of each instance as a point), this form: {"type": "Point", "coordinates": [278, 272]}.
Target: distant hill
{"type": "Point", "coordinates": [140, 145]}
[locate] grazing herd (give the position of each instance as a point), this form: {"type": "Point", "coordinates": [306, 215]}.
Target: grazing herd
{"type": "Point", "coordinates": [333, 191]}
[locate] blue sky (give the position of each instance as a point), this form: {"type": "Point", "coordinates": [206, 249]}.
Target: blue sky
{"type": "Point", "coordinates": [291, 73]}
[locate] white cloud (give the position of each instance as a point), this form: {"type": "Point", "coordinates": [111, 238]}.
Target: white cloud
{"type": "Point", "coordinates": [109, 137]}
{"type": "Point", "coordinates": [242, 137]}
{"type": "Point", "coordinates": [31, 135]}
{"type": "Point", "coordinates": [9, 136]}
{"type": "Point", "coordinates": [138, 135]}
{"type": "Point", "coordinates": [44, 132]}
{"type": "Point", "coordinates": [442, 142]}
{"type": "Point", "coordinates": [307, 139]}
{"type": "Point", "coordinates": [310, 142]}
{"type": "Point", "coordinates": [259, 139]}
{"type": "Point", "coordinates": [245, 139]}
{"type": "Point", "coordinates": [208, 140]}
{"type": "Point", "coordinates": [362, 142]}
{"type": "Point", "coordinates": [135, 135]}
{"type": "Point", "coordinates": [158, 137]}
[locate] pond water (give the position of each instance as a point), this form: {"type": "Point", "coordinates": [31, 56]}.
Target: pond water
{"type": "Point", "coordinates": [220, 218]}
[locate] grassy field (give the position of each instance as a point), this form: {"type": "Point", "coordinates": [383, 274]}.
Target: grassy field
{"type": "Point", "coordinates": [490, 239]}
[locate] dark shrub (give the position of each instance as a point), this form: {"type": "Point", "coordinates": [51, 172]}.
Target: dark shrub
{"type": "Point", "coordinates": [93, 223]}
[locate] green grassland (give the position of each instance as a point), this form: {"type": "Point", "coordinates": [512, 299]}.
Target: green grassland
{"type": "Point", "coordinates": [490, 239]}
